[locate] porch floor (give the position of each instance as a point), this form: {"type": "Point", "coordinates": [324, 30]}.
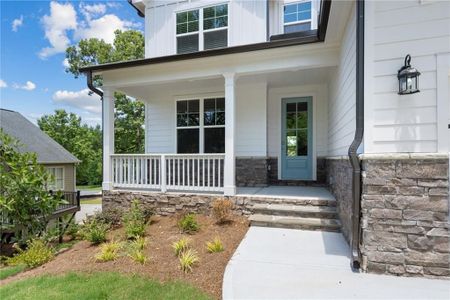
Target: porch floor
{"type": "Point", "coordinates": [286, 192]}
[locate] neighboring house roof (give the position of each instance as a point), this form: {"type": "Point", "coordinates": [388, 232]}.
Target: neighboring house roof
{"type": "Point", "coordinates": [33, 139]}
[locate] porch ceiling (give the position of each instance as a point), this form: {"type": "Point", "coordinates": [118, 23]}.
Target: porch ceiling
{"type": "Point", "coordinates": [273, 80]}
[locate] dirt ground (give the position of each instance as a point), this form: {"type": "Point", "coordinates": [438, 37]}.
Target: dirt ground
{"type": "Point", "coordinates": [163, 265]}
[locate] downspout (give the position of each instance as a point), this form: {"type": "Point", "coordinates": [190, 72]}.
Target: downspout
{"type": "Point", "coordinates": [359, 133]}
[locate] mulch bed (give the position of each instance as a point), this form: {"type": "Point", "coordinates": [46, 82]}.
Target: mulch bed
{"type": "Point", "coordinates": [163, 265]}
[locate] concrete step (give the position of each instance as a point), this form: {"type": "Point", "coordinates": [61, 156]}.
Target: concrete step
{"type": "Point", "coordinates": [295, 222]}
{"type": "Point", "coordinates": [325, 212]}
{"type": "Point", "coordinates": [299, 201]}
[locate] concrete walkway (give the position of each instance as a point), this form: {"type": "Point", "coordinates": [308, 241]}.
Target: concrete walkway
{"type": "Point", "coordinates": [87, 210]}
{"type": "Point", "coordinates": [272, 263]}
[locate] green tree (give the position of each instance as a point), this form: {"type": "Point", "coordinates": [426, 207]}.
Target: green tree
{"type": "Point", "coordinates": [24, 200]}
{"type": "Point", "coordinates": [83, 141]}
{"type": "Point", "coordinates": [129, 113]}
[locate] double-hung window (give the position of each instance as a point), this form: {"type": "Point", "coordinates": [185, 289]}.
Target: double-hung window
{"type": "Point", "coordinates": [201, 125]}
{"type": "Point", "coordinates": [202, 29]}
{"type": "Point", "coordinates": [56, 183]}
{"type": "Point", "coordinates": [188, 31]}
{"type": "Point", "coordinates": [297, 16]}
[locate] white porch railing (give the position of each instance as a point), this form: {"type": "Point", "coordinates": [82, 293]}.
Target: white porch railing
{"type": "Point", "coordinates": [178, 172]}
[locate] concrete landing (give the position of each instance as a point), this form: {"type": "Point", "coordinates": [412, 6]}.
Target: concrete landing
{"type": "Point", "coordinates": [274, 263]}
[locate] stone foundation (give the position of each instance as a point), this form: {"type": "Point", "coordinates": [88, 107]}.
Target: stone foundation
{"type": "Point", "coordinates": [339, 180]}
{"type": "Point", "coordinates": [405, 214]}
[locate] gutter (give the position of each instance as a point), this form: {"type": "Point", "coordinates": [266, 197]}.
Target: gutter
{"type": "Point", "coordinates": [359, 134]}
{"type": "Point", "coordinates": [139, 12]}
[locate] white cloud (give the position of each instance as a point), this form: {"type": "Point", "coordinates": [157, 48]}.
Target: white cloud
{"type": "Point", "coordinates": [3, 84]}
{"type": "Point", "coordinates": [16, 23]}
{"type": "Point", "coordinates": [103, 28]}
{"type": "Point", "coordinates": [28, 86]}
{"type": "Point", "coordinates": [91, 10]}
{"type": "Point", "coordinates": [79, 99]}
{"type": "Point", "coordinates": [62, 18]}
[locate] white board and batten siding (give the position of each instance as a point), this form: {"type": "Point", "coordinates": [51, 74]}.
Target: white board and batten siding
{"type": "Point", "coordinates": [160, 112]}
{"type": "Point", "coordinates": [246, 23]}
{"type": "Point", "coordinates": [407, 123]}
{"type": "Point", "coordinates": [342, 87]}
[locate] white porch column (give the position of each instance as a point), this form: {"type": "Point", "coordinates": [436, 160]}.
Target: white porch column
{"type": "Point", "coordinates": [230, 134]}
{"type": "Point", "coordinates": [108, 137]}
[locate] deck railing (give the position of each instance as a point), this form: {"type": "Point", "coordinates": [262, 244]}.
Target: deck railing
{"type": "Point", "coordinates": [166, 172]}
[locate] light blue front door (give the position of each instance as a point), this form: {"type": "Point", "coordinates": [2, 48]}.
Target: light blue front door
{"type": "Point", "coordinates": [296, 138]}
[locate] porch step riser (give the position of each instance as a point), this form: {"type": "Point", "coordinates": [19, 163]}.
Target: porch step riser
{"type": "Point", "coordinates": [296, 226]}
{"type": "Point", "coordinates": [297, 202]}
{"type": "Point", "coordinates": [302, 214]}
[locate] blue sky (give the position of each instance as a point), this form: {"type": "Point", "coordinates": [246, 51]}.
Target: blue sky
{"type": "Point", "coordinates": [33, 38]}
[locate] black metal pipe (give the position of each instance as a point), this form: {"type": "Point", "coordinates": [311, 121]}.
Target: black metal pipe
{"type": "Point", "coordinates": [359, 133]}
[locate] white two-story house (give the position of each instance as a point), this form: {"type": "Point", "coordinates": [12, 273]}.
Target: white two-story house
{"type": "Point", "coordinates": [340, 108]}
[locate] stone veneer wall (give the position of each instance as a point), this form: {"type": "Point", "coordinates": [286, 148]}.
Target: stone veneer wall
{"type": "Point", "coordinates": [405, 215]}
{"type": "Point", "coordinates": [251, 171]}
{"type": "Point", "coordinates": [339, 180]}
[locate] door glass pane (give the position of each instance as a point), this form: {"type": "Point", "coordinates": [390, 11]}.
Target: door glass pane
{"type": "Point", "coordinates": [291, 143]}
{"type": "Point", "coordinates": [302, 119]}
{"type": "Point", "coordinates": [302, 142]}
{"type": "Point", "coordinates": [290, 120]}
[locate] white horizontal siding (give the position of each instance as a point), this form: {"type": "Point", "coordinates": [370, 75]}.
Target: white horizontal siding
{"type": "Point", "coordinates": [405, 123]}
{"type": "Point", "coordinates": [341, 104]}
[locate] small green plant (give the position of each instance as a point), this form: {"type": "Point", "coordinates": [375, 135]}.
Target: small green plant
{"type": "Point", "coordinates": [222, 210]}
{"type": "Point", "coordinates": [73, 230]}
{"type": "Point", "coordinates": [109, 251]}
{"type": "Point", "coordinates": [94, 231]}
{"type": "Point", "coordinates": [214, 246]}
{"type": "Point", "coordinates": [139, 243]}
{"type": "Point", "coordinates": [188, 259]}
{"type": "Point", "coordinates": [180, 246]}
{"type": "Point", "coordinates": [188, 223]}
{"type": "Point", "coordinates": [138, 256]}
{"type": "Point", "coordinates": [134, 221]}
{"type": "Point", "coordinates": [37, 253]}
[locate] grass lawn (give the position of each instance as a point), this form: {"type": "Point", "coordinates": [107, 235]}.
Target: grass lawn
{"type": "Point", "coordinates": [91, 201]}
{"type": "Point", "coordinates": [10, 271]}
{"type": "Point", "coordinates": [97, 286]}
{"type": "Point", "coordinates": [89, 188]}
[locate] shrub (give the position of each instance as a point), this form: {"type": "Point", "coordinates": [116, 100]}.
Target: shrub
{"type": "Point", "coordinates": [111, 216]}
{"type": "Point", "coordinates": [73, 230]}
{"type": "Point", "coordinates": [138, 256]}
{"type": "Point", "coordinates": [134, 221]}
{"type": "Point", "coordinates": [94, 231]}
{"type": "Point", "coordinates": [214, 246]}
{"type": "Point", "coordinates": [38, 252]}
{"type": "Point", "coordinates": [188, 223]}
{"type": "Point", "coordinates": [222, 210]}
{"type": "Point", "coordinates": [180, 246]}
{"type": "Point", "coordinates": [188, 259]}
{"type": "Point", "coordinates": [109, 251]}
{"type": "Point", "coordinates": [136, 250]}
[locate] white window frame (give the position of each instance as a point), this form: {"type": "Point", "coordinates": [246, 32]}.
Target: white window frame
{"type": "Point", "coordinates": [53, 185]}
{"type": "Point", "coordinates": [201, 125]}
{"type": "Point", "coordinates": [201, 31]}
{"type": "Point", "coordinates": [286, 2]}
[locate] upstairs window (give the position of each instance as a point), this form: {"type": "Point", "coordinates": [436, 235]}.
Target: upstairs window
{"type": "Point", "coordinates": [297, 16]}
{"type": "Point", "coordinates": [215, 26]}
{"type": "Point", "coordinates": [202, 29]}
{"type": "Point", "coordinates": [187, 31]}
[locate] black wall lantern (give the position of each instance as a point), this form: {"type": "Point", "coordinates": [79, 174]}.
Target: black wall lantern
{"type": "Point", "coordinates": [408, 78]}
